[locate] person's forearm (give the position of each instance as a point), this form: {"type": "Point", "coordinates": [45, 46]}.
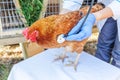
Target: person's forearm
{"type": "Point", "coordinates": [102, 14]}
{"type": "Point", "coordinates": [112, 10]}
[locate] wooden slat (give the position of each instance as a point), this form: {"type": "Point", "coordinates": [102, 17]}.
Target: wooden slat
{"type": "Point", "coordinates": [0, 26]}
{"type": "Point", "coordinates": [44, 7]}
{"type": "Point", "coordinates": [17, 5]}
{"type": "Point", "coordinates": [11, 40]}
{"type": "Point", "coordinates": [30, 49]}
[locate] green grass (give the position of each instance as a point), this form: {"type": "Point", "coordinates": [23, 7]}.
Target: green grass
{"type": "Point", "coordinates": [31, 9]}
{"type": "Point", "coordinates": [4, 71]}
{"type": "Point", "coordinates": [6, 66]}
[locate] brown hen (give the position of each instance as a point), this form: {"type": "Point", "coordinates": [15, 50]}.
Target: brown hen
{"type": "Point", "coordinates": [46, 30]}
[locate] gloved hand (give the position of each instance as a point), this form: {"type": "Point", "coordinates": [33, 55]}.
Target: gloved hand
{"type": "Point", "coordinates": [85, 31]}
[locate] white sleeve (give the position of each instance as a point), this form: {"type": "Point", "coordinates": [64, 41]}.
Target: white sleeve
{"type": "Point", "coordinates": [115, 6]}
{"type": "Point", "coordinates": [72, 4]}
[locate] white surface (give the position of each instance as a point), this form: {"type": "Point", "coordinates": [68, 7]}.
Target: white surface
{"type": "Point", "coordinates": [41, 67]}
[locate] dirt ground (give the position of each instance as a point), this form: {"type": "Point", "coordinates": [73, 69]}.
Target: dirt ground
{"type": "Point", "coordinates": [9, 53]}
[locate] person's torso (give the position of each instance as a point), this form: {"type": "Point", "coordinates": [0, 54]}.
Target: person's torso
{"type": "Point", "coordinates": [101, 23]}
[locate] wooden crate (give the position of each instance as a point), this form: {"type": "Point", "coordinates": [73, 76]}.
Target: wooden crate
{"type": "Point", "coordinates": [30, 49]}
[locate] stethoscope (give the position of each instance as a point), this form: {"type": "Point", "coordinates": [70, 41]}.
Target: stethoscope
{"type": "Point", "coordinates": [61, 39]}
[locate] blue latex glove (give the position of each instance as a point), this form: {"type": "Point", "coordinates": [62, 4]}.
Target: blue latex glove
{"type": "Point", "coordinates": [85, 31]}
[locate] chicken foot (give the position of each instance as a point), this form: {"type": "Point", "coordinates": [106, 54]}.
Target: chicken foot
{"type": "Point", "coordinates": [74, 63]}
{"type": "Point", "coordinates": [61, 57]}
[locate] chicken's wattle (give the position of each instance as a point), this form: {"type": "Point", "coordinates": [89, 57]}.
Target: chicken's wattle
{"type": "Point", "coordinates": [33, 36]}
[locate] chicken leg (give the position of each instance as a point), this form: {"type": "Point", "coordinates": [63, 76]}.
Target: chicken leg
{"type": "Point", "coordinates": [74, 63]}
{"type": "Point", "coordinates": [62, 56]}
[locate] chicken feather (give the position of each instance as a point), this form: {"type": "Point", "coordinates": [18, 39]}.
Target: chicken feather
{"type": "Point", "coordinates": [46, 30]}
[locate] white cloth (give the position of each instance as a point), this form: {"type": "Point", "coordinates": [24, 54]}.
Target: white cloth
{"type": "Point", "coordinates": [42, 67]}
{"type": "Point", "coordinates": [115, 6]}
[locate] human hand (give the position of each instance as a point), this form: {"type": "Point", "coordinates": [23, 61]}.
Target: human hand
{"type": "Point", "coordinates": [84, 32]}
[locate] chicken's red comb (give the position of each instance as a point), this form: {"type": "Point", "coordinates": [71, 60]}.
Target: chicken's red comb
{"type": "Point", "coordinates": [25, 33]}
{"type": "Point", "coordinates": [33, 36]}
